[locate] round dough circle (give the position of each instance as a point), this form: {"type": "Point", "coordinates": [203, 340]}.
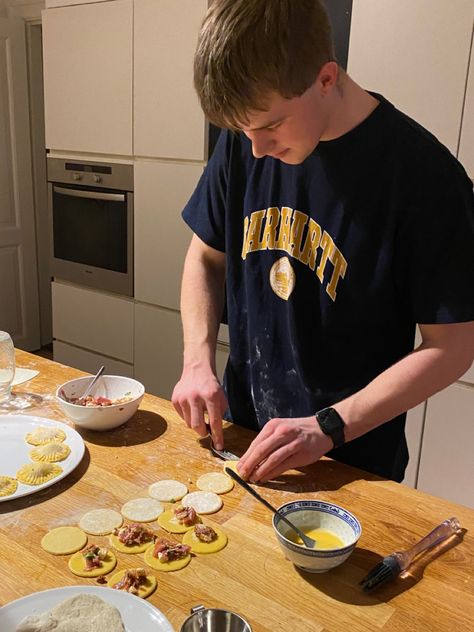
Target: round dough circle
{"type": "Point", "coordinates": [216, 482]}
{"type": "Point", "coordinates": [232, 465]}
{"type": "Point", "coordinates": [203, 502]}
{"type": "Point", "coordinates": [174, 565]}
{"type": "Point", "coordinates": [168, 490]}
{"type": "Point", "coordinates": [128, 548]}
{"type": "Point", "coordinates": [76, 565]}
{"type": "Point", "coordinates": [144, 591]}
{"type": "Point", "coordinates": [64, 540]}
{"type": "Point", "coordinates": [8, 485]}
{"type": "Point", "coordinates": [45, 434]}
{"type": "Point", "coordinates": [37, 473]}
{"type": "Point", "coordinates": [50, 452]}
{"type": "Point", "coordinates": [142, 509]}
{"type": "Point", "coordinates": [169, 522]}
{"type": "Point", "coordinates": [100, 521]}
{"type": "Point", "coordinates": [197, 546]}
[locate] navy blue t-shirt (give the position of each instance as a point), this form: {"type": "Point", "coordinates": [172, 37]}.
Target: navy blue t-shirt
{"type": "Point", "coordinates": [331, 263]}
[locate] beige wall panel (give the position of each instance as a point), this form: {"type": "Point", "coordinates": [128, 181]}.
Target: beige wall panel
{"type": "Point", "coordinates": [161, 236]}
{"type": "Point", "coordinates": [168, 120]}
{"type": "Point", "coordinates": [88, 77]}
{"type": "Point", "coordinates": [446, 464]}
{"type": "Point", "coordinates": [415, 53]}
{"type": "Point", "coordinates": [466, 147]}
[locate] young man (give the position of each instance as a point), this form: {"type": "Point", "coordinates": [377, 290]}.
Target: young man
{"type": "Point", "coordinates": [336, 224]}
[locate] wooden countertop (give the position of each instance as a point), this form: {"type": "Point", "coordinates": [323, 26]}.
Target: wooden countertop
{"type": "Point", "coordinates": [251, 575]}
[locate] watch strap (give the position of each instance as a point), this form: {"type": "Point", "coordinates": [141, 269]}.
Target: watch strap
{"type": "Point", "coordinates": [332, 424]}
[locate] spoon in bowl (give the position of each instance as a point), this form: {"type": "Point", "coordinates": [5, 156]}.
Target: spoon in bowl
{"type": "Point", "coordinates": [308, 542]}
{"type": "Point", "coordinates": [91, 384]}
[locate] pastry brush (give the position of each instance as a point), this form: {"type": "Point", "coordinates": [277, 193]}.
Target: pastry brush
{"type": "Point", "coordinates": [392, 565]}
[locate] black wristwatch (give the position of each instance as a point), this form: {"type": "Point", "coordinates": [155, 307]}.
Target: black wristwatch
{"type": "Point", "coordinates": [332, 424]}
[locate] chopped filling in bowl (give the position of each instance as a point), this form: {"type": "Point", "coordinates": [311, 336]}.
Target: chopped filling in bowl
{"type": "Point", "coordinates": [90, 400]}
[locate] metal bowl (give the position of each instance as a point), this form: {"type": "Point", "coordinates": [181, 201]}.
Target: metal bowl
{"type": "Point", "coordinates": [214, 620]}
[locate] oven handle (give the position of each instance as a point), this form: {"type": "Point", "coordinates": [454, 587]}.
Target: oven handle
{"type": "Point", "coordinates": [92, 195]}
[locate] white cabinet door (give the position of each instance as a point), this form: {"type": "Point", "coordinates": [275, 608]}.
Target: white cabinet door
{"type": "Point", "coordinates": [99, 322]}
{"type": "Point", "coordinates": [88, 360]}
{"type": "Point", "coordinates": [158, 349]}
{"type": "Point", "coordinates": [66, 3]}
{"type": "Point", "coordinates": [414, 434]}
{"type": "Point", "coordinates": [447, 462]}
{"type": "Point", "coordinates": [168, 120]}
{"type": "Point", "coordinates": [161, 236]}
{"type": "Point", "coordinates": [416, 54]}
{"type": "Point", "coordinates": [87, 56]}
{"type": "Point", "coordinates": [466, 147]}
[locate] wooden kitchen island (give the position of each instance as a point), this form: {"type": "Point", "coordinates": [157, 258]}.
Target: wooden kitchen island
{"type": "Point", "coordinates": [251, 575]}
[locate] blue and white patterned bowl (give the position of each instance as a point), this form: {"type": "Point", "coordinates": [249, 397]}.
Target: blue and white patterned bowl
{"type": "Point", "coordinates": [313, 514]}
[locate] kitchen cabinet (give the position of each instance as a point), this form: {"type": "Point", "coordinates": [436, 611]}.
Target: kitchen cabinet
{"type": "Point", "coordinates": [416, 54]}
{"type": "Point", "coordinates": [92, 320]}
{"type": "Point", "coordinates": [66, 3]}
{"type": "Point", "coordinates": [446, 463]}
{"type": "Point", "coordinates": [88, 360]}
{"type": "Point", "coordinates": [161, 236]}
{"type": "Point", "coordinates": [168, 121]}
{"type": "Point", "coordinates": [466, 146]}
{"type": "Point", "coordinates": [87, 55]}
{"type": "Point", "coordinates": [159, 349]}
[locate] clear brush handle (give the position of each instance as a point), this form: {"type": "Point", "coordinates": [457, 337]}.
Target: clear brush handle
{"type": "Point", "coordinates": [441, 532]}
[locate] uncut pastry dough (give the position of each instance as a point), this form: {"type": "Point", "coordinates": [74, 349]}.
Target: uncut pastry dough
{"type": "Point", "coordinates": [100, 521]}
{"type": "Point", "coordinates": [45, 434]}
{"type": "Point", "coordinates": [38, 473]}
{"type": "Point", "coordinates": [144, 591]}
{"type": "Point", "coordinates": [167, 490]}
{"type": "Point", "coordinates": [174, 565]}
{"type": "Point", "coordinates": [197, 546]}
{"type": "Point", "coordinates": [81, 613]}
{"type": "Point", "coordinates": [142, 509]}
{"type": "Point", "coordinates": [50, 452]}
{"type": "Point", "coordinates": [216, 482]}
{"type": "Point", "coordinates": [169, 522]}
{"type": "Point", "coordinates": [64, 540]}
{"type": "Point", "coordinates": [76, 565]}
{"type": "Point", "coordinates": [8, 485]}
{"type": "Point", "coordinates": [203, 502]}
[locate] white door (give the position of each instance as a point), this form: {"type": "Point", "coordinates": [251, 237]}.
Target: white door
{"type": "Point", "coordinates": [19, 307]}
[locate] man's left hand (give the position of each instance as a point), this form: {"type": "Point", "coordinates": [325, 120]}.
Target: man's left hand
{"type": "Point", "coordinates": [281, 445]}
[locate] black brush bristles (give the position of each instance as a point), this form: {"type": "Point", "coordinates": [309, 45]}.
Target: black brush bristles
{"type": "Point", "coordinates": [384, 571]}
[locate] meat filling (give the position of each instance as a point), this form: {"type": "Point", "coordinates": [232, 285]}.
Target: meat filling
{"type": "Point", "coordinates": [93, 556]}
{"type": "Point", "coordinates": [204, 533]}
{"type": "Point", "coordinates": [132, 580]}
{"type": "Point", "coordinates": [134, 533]}
{"type": "Point", "coordinates": [185, 515]}
{"type": "Point", "coordinates": [167, 551]}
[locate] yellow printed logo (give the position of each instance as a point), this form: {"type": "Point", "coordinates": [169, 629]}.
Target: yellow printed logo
{"type": "Point", "coordinates": [282, 278]}
{"type": "Point", "coordinates": [302, 238]}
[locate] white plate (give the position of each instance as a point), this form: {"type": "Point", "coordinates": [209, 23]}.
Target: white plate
{"type": "Point", "coordinates": [138, 615]}
{"type": "Point", "coordinates": [14, 451]}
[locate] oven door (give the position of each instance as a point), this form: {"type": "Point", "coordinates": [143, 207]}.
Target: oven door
{"type": "Point", "coordinates": [92, 235]}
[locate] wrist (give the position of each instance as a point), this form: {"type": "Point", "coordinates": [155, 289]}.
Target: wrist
{"type": "Point", "coordinates": [332, 425]}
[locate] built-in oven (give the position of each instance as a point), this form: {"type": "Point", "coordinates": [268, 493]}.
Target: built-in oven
{"type": "Point", "coordinates": [91, 213]}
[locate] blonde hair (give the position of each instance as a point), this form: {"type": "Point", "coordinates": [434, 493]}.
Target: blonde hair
{"type": "Point", "coordinates": [248, 49]}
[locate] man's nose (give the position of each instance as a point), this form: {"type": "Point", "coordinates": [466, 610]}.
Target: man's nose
{"type": "Point", "coordinates": [261, 143]}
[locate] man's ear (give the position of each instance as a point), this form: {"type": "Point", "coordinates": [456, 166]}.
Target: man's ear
{"type": "Point", "coordinates": [327, 77]}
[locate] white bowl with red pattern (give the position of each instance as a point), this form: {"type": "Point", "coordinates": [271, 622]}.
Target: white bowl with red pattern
{"type": "Point", "coordinates": [101, 417]}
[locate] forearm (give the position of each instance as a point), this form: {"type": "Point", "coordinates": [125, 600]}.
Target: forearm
{"type": "Point", "coordinates": [202, 301]}
{"type": "Point", "coordinates": [425, 371]}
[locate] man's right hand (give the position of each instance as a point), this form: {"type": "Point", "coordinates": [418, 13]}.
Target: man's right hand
{"type": "Point", "coordinates": [198, 393]}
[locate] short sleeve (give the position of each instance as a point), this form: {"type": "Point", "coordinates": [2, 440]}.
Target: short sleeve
{"type": "Point", "coordinates": [435, 245]}
{"type": "Point", "coordinates": [205, 211]}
